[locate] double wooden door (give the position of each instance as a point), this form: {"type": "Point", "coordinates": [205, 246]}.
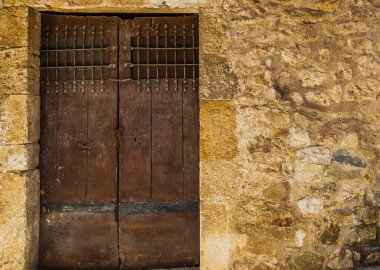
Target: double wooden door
{"type": "Point", "coordinates": [119, 142]}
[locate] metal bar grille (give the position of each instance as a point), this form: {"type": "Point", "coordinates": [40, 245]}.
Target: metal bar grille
{"type": "Point", "coordinates": [78, 55]}
{"type": "Point", "coordinates": [166, 51]}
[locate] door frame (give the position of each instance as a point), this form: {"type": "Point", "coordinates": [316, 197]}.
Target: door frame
{"type": "Point", "coordinates": [34, 30]}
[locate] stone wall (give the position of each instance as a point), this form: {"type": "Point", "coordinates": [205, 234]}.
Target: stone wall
{"type": "Point", "coordinates": [19, 134]}
{"type": "Point", "coordinates": [290, 130]}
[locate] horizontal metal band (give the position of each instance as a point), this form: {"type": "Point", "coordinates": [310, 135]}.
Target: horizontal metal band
{"type": "Point", "coordinates": [128, 209]}
{"type": "Point", "coordinates": [78, 67]}
{"type": "Point", "coordinates": [80, 207]}
{"type": "Point", "coordinates": [78, 49]}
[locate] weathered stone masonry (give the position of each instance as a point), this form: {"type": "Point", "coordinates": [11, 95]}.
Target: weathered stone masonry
{"type": "Point", "coordinates": [290, 130]}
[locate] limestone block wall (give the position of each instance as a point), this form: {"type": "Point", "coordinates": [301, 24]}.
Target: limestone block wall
{"type": "Point", "coordinates": [19, 134]}
{"type": "Point", "coordinates": [290, 130]}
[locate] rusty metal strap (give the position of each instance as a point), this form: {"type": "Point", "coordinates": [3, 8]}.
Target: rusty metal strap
{"type": "Point", "coordinates": [128, 209]}
{"type": "Point", "coordinates": [80, 207]}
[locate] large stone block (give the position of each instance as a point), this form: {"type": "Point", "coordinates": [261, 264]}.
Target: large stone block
{"type": "Point", "coordinates": [217, 124]}
{"type": "Point", "coordinates": [19, 72]}
{"type": "Point", "coordinates": [220, 180]}
{"type": "Point", "coordinates": [19, 27]}
{"type": "Point", "coordinates": [19, 119]}
{"type": "Point", "coordinates": [15, 3]}
{"type": "Point", "coordinates": [19, 220]}
{"type": "Point", "coordinates": [19, 157]}
{"type": "Point", "coordinates": [215, 242]}
{"type": "Point", "coordinates": [217, 79]}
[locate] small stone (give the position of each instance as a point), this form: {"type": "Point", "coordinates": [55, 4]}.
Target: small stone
{"type": "Point", "coordinates": [283, 222]}
{"type": "Point", "coordinates": [320, 99]}
{"type": "Point", "coordinates": [301, 121]}
{"type": "Point", "coordinates": [341, 259]}
{"type": "Point", "coordinates": [310, 205]}
{"type": "Point", "coordinates": [345, 70]}
{"type": "Point", "coordinates": [368, 65]}
{"type": "Point", "coordinates": [361, 234]}
{"type": "Point", "coordinates": [314, 154]}
{"type": "Point", "coordinates": [344, 212]}
{"type": "Point", "coordinates": [297, 98]}
{"type": "Point", "coordinates": [330, 234]}
{"type": "Point", "coordinates": [367, 215]}
{"type": "Point", "coordinates": [311, 77]}
{"type": "Point", "coordinates": [307, 172]}
{"type": "Point", "coordinates": [335, 93]}
{"type": "Point", "coordinates": [340, 173]}
{"type": "Point", "coordinates": [344, 157]}
{"type": "Point", "coordinates": [373, 257]}
{"type": "Point", "coordinates": [300, 236]}
{"type": "Point", "coordinates": [298, 138]}
{"type": "Point", "coordinates": [351, 140]}
{"type": "Point", "coordinates": [324, 55]}
{"type": "Point", "coordinates": [278, 191]}
{"type": "Point", "coordinates": [309, 261]}
{"type": "Point", "coordinates": [351, 27]}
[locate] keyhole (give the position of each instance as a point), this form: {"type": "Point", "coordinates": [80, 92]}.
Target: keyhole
{"type": "Point", "coordinates": [135, 139]}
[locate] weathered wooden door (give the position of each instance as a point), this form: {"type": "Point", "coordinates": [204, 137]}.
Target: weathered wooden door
{"type": "Point", "coordinates": [119, 142]}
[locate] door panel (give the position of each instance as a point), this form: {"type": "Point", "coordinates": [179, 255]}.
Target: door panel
{"type": "Point", "coordinates": [159, 154]}
{"type": "Point", "coordinates": [79, 230]}
{"type": "Point", "coordinates": [78, 240]}
{"type": "Point", "coordinates": [153, 235]}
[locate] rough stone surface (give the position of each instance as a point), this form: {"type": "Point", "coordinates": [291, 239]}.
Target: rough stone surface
{"type": "Point", "coordinates": [341, 259]}
{"type": "Point", "coordinates": [19, 157]}
{"type": "Point", "coordinates": [344, 157]}
{"type": "Point", "coordinates": [19, 220]}
{"type": "Point", "coordinates": [19, 119]}
{"type": "Point", "coordinates": [361, 234]}
{"type": "Point", "coordinates": [19, 71]}
{"type": "Point", "coordinates": [278, 191]}
{"type": "Point", "coordinates": [310, 205]}
{"type": "Point", "coordinates": [218, 121]}
{"type": "Point", "coordinates": [308, 261]}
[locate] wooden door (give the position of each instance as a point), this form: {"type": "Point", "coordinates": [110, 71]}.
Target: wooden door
{"type": "Point", "coordinates": [119, 142]}
{"type": "Point", "coordinates": [158, 124]}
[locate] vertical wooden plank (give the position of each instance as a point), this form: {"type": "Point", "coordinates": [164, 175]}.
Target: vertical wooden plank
{"type": "Point", "coordinates": [125, 34]}
{"type": "Point", "coordinates": [72, 130]}
{"type": "Point", "coordinates": [102, 155]}
{"type": "Point", "coordinates": [102, 119]}
{"type": "Point", "coordinates": [48, 141]}
{"type": "Point", "coordinates": [167, 173]}
{"type": "Point", "coordinates": [135, 143]}
{"type": "Point", "coordinates": [134, 125]}
{"type": "Point", "coordinates": [191, 141]}
{"type": "Point", "coordinates": [71, 156]}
